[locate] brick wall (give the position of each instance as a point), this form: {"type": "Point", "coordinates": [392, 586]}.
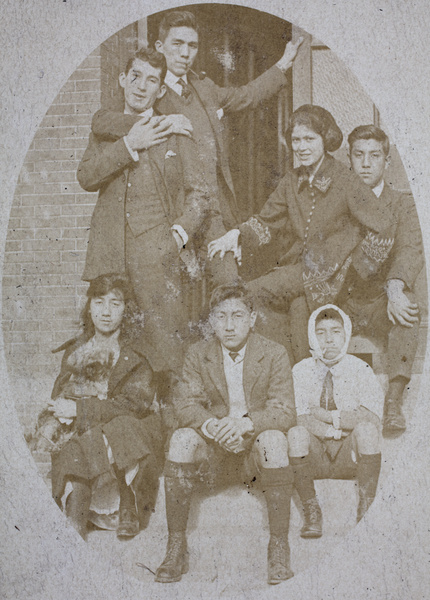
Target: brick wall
{"type": "Point", "coordinates": [48, 228]}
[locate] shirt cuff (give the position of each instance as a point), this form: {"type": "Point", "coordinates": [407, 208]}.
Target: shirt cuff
{"type": "Point", "coordinates": [133, 153]}
{"type": "Point", "coordinates": [181, 232]}
{"type": "Point", "coordinates": [204, 429]}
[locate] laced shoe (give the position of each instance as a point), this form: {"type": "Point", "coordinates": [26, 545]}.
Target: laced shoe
{"type": "Point", "coordinates": [176, 561]}
{"type": "Point", "coordinates": [394, 423]}
{"type": "Point", "coordinates": [312, 527]}
{"type": "Point", "coordinates": [278, 560]}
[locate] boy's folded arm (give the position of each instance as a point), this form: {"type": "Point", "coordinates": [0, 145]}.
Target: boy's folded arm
{"type": "Point", "coordinates": [350, 418]}
{"type": "Point", "coordinates": [318, 428]}
{"type": "Point", "coordinates": [112, 125]}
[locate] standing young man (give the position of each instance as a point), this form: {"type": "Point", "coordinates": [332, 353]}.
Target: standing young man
{"type": "Point", "coordinates": [152, 207]}
{"type": "Point", "coordinates": [380, 292]}
{"type": "Point", "coordinates": [234, 404]}
{"type": "Point", "coordinates": [195, 104]}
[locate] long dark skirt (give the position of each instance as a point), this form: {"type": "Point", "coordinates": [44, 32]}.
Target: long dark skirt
{"type": "Point", "coordinates": [132, 441]}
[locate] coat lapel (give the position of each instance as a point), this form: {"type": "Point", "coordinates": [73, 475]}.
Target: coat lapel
{"type": "Point", "coordinates": [203, 92]}
{"type": "Point", "coordinates": [127, 361]}
{"type": "Point", "coordinates": [252, 366]}
{"type": "Point", "coordinates": [215, 364]}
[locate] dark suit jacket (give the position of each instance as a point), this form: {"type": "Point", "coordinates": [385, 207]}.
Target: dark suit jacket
{"type": "Point", "coordinates": [111, 125]}
{"type": "Point", "coordinates": [107, 166]}
{"type": "Point", "coordinates": [396, 252]}
{"type": "Point", "coordinates": [267, 381]}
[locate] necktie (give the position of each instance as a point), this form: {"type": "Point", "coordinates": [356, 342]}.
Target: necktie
{"type": "Point", "coordinates": [332, 447]}
{"type": "Point", "coordinates": [233, 355]}
{"type": "Point", "coordinates": [327, 400]}
{"type": "Point", "coordinates": [186, 90]}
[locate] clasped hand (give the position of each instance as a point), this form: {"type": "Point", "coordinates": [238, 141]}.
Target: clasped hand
{"type": "Point", "coordinates": [229, 431]}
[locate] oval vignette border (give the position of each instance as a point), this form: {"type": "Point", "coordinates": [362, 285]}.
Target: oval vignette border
{"type": "Point", "coordinates": [14, 451]}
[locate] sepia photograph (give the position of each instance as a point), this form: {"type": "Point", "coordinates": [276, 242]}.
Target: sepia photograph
{"type": "Point", "coordinates": [214, 301]}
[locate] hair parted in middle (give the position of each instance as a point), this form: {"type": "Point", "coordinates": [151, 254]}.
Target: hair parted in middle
{"type": "Point", "coordinates": [369, 132]}
{"type": "Point", "coordinates": [234, 291]}
{"type": "Point", "coordinates": [152, 57]}
{"type": "Point", "coordinates": [132, 320]}
{"type": "Point", "coordinates": [319, 120]}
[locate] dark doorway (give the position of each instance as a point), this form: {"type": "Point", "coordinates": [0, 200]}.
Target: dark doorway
{"type": "Point", "coordinates": [236, 45]}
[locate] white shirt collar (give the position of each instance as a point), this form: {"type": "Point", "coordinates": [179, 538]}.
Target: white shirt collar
{"type": "Point", "coordinates": [378, 189]}
{"type": "Point", "coordinates": [146, 113]}
{"type": "Point", "coordinates": [241, 352]}
{"type": "Point", "coordinates": [172, 81]}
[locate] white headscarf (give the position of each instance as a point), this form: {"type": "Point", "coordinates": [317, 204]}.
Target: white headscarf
{"type": "Point", "coordinates": [313, 340]}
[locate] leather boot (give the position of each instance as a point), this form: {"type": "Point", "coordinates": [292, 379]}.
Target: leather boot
{"type": "Point", "coordinates": [278, 560]}
{"type": "Point", "coordinates": [312, 527]}
{"type": "Point", "coordinates": [176, 561]}
{"type": "Point", "coordinates": [368, 470]}
{"type": "Point", "coordinates": [394, 423]}
{"type": "Point", "coordinates": [128, 525]}
{"type": "Point", "coordinates": [363, 503]}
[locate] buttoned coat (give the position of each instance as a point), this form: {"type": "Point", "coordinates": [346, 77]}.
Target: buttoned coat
{"type": "Point", "coordinates": [320, 225]}
{"type": "Point", "coordinates": [108, 167]}
{"type": "Point", "coordinates": [267, 382]}
{"type": "Point", "coordinates": [214, 98]}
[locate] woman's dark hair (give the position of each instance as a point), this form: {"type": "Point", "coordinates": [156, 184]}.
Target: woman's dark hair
{"type": "Point", "coordinates": [152, 57]}
{"type": "Point", "coordinates": [319, 120]}
{"type": "Point", "coordinates": [176, 18]}
{"type": "Point", "coordinates": [132, 320]}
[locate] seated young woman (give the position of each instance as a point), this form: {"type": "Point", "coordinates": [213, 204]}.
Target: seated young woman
{"type": "Point", "coordinates": [108, 471]}
{"type": "Point", "coordinates": [320, 211]}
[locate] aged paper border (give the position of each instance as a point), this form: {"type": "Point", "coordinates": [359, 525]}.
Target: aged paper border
{"type": "Point", "coordinates": [386, 44]}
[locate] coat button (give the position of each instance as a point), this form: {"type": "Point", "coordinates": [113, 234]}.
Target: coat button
{"type": "Point", "coordinates": [128, 215]}
{"type": "Point", "coordinates": [129, 184]}
{"type": "Point", "coordinates": [125, 357]}
{"type": "Point", "coordinates": [308, 221]}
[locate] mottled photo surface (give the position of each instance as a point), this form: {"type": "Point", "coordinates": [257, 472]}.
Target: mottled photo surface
{"type": "Point", "coordinates": [214, 306]}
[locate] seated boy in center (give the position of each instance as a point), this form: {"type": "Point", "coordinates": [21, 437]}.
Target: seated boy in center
{"type": "Point", "coordinates": [339, 405]}
{"type": "Point", "coordinates": [234, 404]}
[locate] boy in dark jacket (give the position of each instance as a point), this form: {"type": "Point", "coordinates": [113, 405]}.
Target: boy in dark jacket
{"type": "Point", "coordinates": [234, 405]}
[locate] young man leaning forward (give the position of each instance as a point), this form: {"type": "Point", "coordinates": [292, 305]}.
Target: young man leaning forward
{"type": "Point", "coordinates": [339, 404]}
{"type": "Point", "coordinates": [234, 404]}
